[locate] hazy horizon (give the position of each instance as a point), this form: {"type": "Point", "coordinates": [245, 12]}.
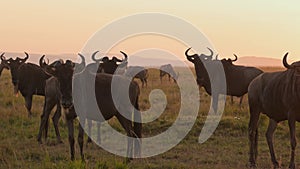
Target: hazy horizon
{"type": "Point", "coordinates": [268, 28]}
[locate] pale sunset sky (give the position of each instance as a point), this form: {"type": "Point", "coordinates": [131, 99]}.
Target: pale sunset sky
{"type": "Point", "coordinates": [249, 28]}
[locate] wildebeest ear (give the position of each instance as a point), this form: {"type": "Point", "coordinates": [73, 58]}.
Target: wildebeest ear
{"type": "Point", "coordinates": [116, 59]}
{"type": "Point", "coordinates": [4, 65]}
{"type": "Point", "coordinates": [70, 63]}
{"type": "Point", "coordinates": [123, 64]}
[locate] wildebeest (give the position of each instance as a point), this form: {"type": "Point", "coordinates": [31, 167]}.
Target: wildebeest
{"type": "Point", "coordinates": [104, 65]}
{"type": "Point", "coordinates": [276, 95]}
{"type": "Point", "coordinates": [52, 98]}
{"type": "Point", "coordinates": [238, 78]}
{"type": "Point", "coordinates": [167, 70]}
{"type": "Point", "coordinates": [30, 79]}
{"type": "Point", "coordinates": [138, 72]}
{"type": "Point", "coordinates": [229, 62]}
{"type": "Point", "coordinates": [64, 76]}
{"type": "Point", "coordinates": [2, 65]}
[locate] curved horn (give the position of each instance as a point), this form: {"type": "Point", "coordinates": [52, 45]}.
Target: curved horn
{"type": "Point", "coordinates": [2, 56]}
{"type": "Point", "coordinates": [211, 53]}
{"type": "Point", "coordinates": [81, 55]}
{"type": "Point", "coordinates": [187, 51]}
{"type": "Point", "coordinates": [94, 57]}
{"type": "Point", "coordinates": [236, 58]}
{"type": "Point", "coordinates": [125, 55]}
{"type": "Point", "coordinates": [80, 66]}
{"type": "Point", "coordinates": [27, 56]}
{"type": "Point", "coordinates": [285, 62]}
{"type": "Point", "coordinates": [217, 57]}
{"type": "Point", "coordinates": [42, 62]}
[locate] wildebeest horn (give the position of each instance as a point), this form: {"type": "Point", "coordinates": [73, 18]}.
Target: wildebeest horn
{"type": "Point", "coordinates": [211, 53]}
{"type": "Point", "coordinates": [125, 55]}
{"type": "Point", "coordinates": [81, 65]}
{"type": "Point", "coordinates": [285, 62]}
{"type": "Point", "coordinates": [2, 56]}
{"type": "Point", "coordinates": [42, 62]}
{"type": "Point", "coordinates": [94, 57]}
{"type": "Point", "coordinates": [235, 58]}
{"type": "Point", "coordinates": [27, 56]}
{"type": "Point", "coordinates": [81, 55]}
{"type": "Point", "coordinates": [217, 56]}
{"type": "Point", "coordinates": [187, 51]}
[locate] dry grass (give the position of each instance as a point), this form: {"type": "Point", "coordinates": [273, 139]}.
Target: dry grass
{"type": "Point", "coordinates": [227, 148]}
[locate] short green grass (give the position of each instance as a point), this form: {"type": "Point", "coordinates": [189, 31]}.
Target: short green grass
{"type": "Point", "coordinates": [227, 148]}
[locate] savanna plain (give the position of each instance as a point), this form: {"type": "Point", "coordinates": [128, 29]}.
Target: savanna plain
{"type": "Point", "coordinates": [226, 148]}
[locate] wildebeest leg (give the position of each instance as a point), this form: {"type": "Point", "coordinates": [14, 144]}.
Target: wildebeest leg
{"type": "Point", "coordinates": [98, 133]}
{"type": "Point", "coordinates": [253, 135]}
{"type": "Point", "coordinates": [269, 134]}
{"type": "Point", "coordinates": [46, 130]}
{"type": "Point", "coordinates": [142, 82]}
{"type": "Point", "coordinates": [127, 125]}
{"type": "Point", "coordinates": [231, 97]}
{"type": "Point", "coordinates": [137, 131]}
{"type": "Point", "coordinates": [44, 119]}
{"type": "Point", "coordinates": [70, 123]}
{"type": "Point", "coordinates": [55, 120]}
{"type": "Point", "coordinates": [215, 100]}
{"type": "Point", "coordinates": [291, 121]}
{"type": "Point", "coordinates": [241, 101]}
{"type": "Point", "coordinates": [28, 104]}
{"type": "Point", "coordinates": [80, 140]}
{"type": "Point", "coordinates": [146, 82]}
{"type": "Point", "coordinates": [90, 123]}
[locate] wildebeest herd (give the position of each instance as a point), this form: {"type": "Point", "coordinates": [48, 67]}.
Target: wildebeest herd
{"type": "Point", "coordinates": [274, 94]}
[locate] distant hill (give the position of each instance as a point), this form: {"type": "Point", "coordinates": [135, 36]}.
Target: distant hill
{"type": "Point", "coordinates": [259, 61]}
{"type": "Point", "coordinates": [156, 61]}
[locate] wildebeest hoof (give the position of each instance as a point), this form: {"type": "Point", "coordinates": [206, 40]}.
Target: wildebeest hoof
{"type": "Point", "coordinates": [40, 141]}
{"type": "Point", "coordinates": [127, 160]}
{"type": "Point", "coordinates": [292, 166]}
{"type": "Point", "coordinates": [60, 142]}
{"type": "Point", "coordinates": [276, 165]}
{"type": "Point", "coordinates": [82, 159]}
{"type": "Point", "coordinates": [89, 140]}
{"type": "Point", "coordinates": [251, 165]}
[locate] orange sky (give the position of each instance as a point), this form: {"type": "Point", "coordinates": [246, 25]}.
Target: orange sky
{"type": "Point", "coordinates": [268, 28]}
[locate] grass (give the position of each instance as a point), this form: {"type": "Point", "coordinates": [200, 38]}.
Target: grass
{"type": "Point", "coordinates": [227, 148]}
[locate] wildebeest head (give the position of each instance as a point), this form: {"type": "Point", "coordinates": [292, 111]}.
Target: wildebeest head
{"type": "Point", "coordinates": [64, 73]}
{"type": "Point", "coordinates": [13, 65]}
{"type": "Point", "coordinates": [3, 65]}
{"type": "Point", "coordinates": [111, 65]}
{"type": "Point", "coordinates": [229, 61]}
{"type": "Point", "coordinates": [198, 61]}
